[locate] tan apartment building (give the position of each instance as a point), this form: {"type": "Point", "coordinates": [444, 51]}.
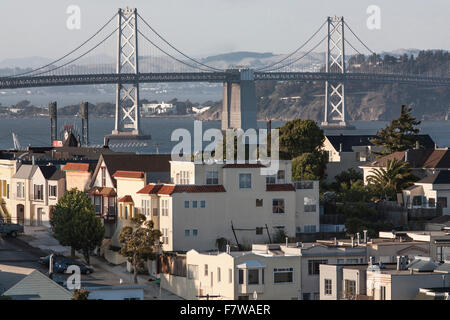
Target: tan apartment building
{"type": "Point", "coordinates": [7, 170]}
{"type": "Point", "coordinates": [78, 175]}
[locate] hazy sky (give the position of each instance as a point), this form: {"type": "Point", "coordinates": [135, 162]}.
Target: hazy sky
{"type": "Point", "coordinates": [204, 27]}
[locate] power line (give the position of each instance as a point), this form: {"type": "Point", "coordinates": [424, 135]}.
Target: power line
{"type": "Point", "coordinates": [168, 43]}
{"type": "Point", "coordinates": [68, 54]}
{"type": "Point", "coordinates": [294, 52]}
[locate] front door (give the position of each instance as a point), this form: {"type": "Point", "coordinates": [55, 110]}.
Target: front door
{"type": "Point", "coordinates": [20, 214]}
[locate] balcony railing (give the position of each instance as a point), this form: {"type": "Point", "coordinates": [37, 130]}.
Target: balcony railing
{"type": "Point", "coordinates": [304, 184]}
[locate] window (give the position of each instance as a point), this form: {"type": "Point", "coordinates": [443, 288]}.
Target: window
{"type": "Point", "coordinates": [259, 202]}
{"type": "Point", "coordinates": [187, 233]}
{"type": "Point", "coordinates": [98, 205]}
{"type": "Point", "coordinates": [194, 232]}
{"type": "Point", "coordinates": [352, 261]}
{"type": "Point", "coordinates": [103, 176]}
{"type": "Point", "coordinates": [52, 191]}
{"type": "Point", "coordinates": [164, 207]}
{"type": "Point", "coordinates": [218, 275]}
{"type": "Point", "coordinates": [192, 272]}
{"type": "Point", "coordinates": [328, 287]}
{"type": "Point", "coordinates": [307, 296]}
{"type": "Point", "coordinates": [20, 190]}
{"type": "Point", "coordinates": [3, 188]}
{"type": "Point", "coordinates": [241, 276]}
{"type": "Point", "coordinates": [38, 192]}
{"type": "Point", "coordinates": [280, 176]}
{"type": "Point", "coordinates": [202, 204]}
{"type": "Point", "coordinates": [206, 269]}
{"type": "Point", "coordinates": [309, 228]}
{"type": "Point", "coordinates": [212, 177]}
{"type": "Point", "coordinates": [350, 289]}
{"type": "Point", "coordinates": [442, 202]}
{"type": "Point", "coordinates": [431, 202]}
{"type": "Point", "coordinates": [298, 229]}
{"type": "Point", "coordinates": [245, 180]}
{"type": "Point", "coordinates": [259, 230]}
{"type": "Point", "coordinates": [262, 276]}
{"type": "Point", "coordinates": [278, 206]}
{"type": "Point", "coordinates": [194, 204]}
{"type": "Point", "coordinates": [340, 261]}
{"type": "Point", "coordinates": [253, 276]}
{"type": "Point", "coordinates": [314, 266]}
{"type": "Point", "coordinates": [230, 275]}
{"type": "Point", "coordinates": [145, 204]}
{"type": "Point", "coordinates": [183, 177]}
{"type": "Point", "coordinates": [271, 179]}
{"type": "Point", "coordinates": [309, 204]}
{"type": "Point", "coordinates": [165, 236]}
{"type": "Point", "coordinates": [283, 275]}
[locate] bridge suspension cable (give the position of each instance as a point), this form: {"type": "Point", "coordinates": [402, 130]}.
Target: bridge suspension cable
{"type": "Point", "coordinates": [295, 51]}
{"type": "Point", "coordinates": [356, 36]}
{"type": "Point", "coordinates": [68, 54]}
{"type": "Point", "coordinates": [80, 56]}
{"type": "Point", "coordinates": [171, 56]}
{"type": "Point", "coordinates": [174, 48]}
{"type": "Point", "coordinates": [301, 57]}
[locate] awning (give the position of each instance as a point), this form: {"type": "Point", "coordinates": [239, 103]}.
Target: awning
{"type": "Point", "coordinates": [251, 264]}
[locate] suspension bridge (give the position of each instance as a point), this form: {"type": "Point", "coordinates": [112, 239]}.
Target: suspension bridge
{"type": "Point", "coordinates": [143, 55]}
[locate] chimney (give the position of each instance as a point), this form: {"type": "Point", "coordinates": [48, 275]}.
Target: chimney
{"type": "Point", "coordinates": [399, 262]}
{"type": "Point", "coordinates": [287, 241]}
{"type": "Point", "coordinates": [228, 248]}
{"type": "Point", "coordinates": [353, 241]}
{"type": "Point", "coordinates": [365, 236]}
{"type": "Point", "coordinates": [358, 238]}
{"type": "Point", "coordinates": [340, 147]}
{"type": "Point", "coordinates": [53, 121]}
{"type": "Point", "coordinates": [406, 155]}
{"type": "Point", "coordinates": [417, 145]}
{"type": "Point", "coordinates": [335, 241]}
{"type": "Point", "coordinates": [33, 159]}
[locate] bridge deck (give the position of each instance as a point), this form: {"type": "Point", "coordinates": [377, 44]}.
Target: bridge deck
{"type": "Point", "coordinates": [90, 79]}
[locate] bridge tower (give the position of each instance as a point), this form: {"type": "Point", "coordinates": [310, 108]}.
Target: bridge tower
{"type": "Point", "coordinates": [334, 115]}
{"type": "Point", "coordinates": [127, 117]}
{"type": "Point", "coordinates": [239, 101]}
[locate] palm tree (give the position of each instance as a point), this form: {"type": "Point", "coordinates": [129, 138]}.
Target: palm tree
{"type": "Point", "coordinates": [392, 179]}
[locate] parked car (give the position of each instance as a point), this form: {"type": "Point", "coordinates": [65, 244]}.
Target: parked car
{"type": "Point", "coordinates": [61, 263]}
{"type": "Point", "coordinates": [10, 229]}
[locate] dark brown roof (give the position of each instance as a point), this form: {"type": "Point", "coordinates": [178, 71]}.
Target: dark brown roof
{"type": "Point", "coordinates": [417, 158]}
{"type": "Point", "coordinates": [440, 177]}
{"type": "Point", "coordinates": [244, 165]}
{"type": "Point", "coordinates": [280, 187]}
{"type": "Point", "coordinates": [135, 162]}
{"type": "Point", "coordinates": [188, 188]}
{"type": "Point", "coordinates": [439, 158]}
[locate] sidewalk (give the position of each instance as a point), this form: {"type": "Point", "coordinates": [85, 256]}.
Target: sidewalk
{"type": "Point", "coordinates": [40, 237]}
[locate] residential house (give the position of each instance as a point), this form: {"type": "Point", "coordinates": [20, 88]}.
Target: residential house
{"type": "Point", "coordinates": [78, 175]}
{"type": "Point", "coordinates": [30, 284]}
{"type": "Point", "coordinates": [7, 170]}
{"type": "Point", "coordinates": [268, 271]}
{"type": "Point", "coordinates": [430, 192]}
{"type": "Point", "coordinates": [232, 201]}
{"type": "Point", "coordinates": [36, 190]}
{"type": "Point", "coordinates": [423, 162]}
{"type": "Point", "coordinates": [103, 184]}
{"type": "Point", "coordinates": [352, 151]}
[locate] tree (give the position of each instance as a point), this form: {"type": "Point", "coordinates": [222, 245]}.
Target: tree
{"type": "Point", "coordinates": [393, 179]}
{"type": "Point", "coordinates": [74, 223]}
{"type": "Point", "coordinates": [400, 134]}
{"type": "Point", "coordinates": [309, 166]}
{"type": "Point", "coordinates": [89, 232]}
{"type": "Point", "coordinates": [300, 136]}
{"type": "Point", "coordinates": [80, 294]}
{"type": "Point", "coordinates": [138, 242]}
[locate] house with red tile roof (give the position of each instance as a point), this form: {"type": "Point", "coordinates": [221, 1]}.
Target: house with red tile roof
{"type": "Point", "coordinates": [205, 202]}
